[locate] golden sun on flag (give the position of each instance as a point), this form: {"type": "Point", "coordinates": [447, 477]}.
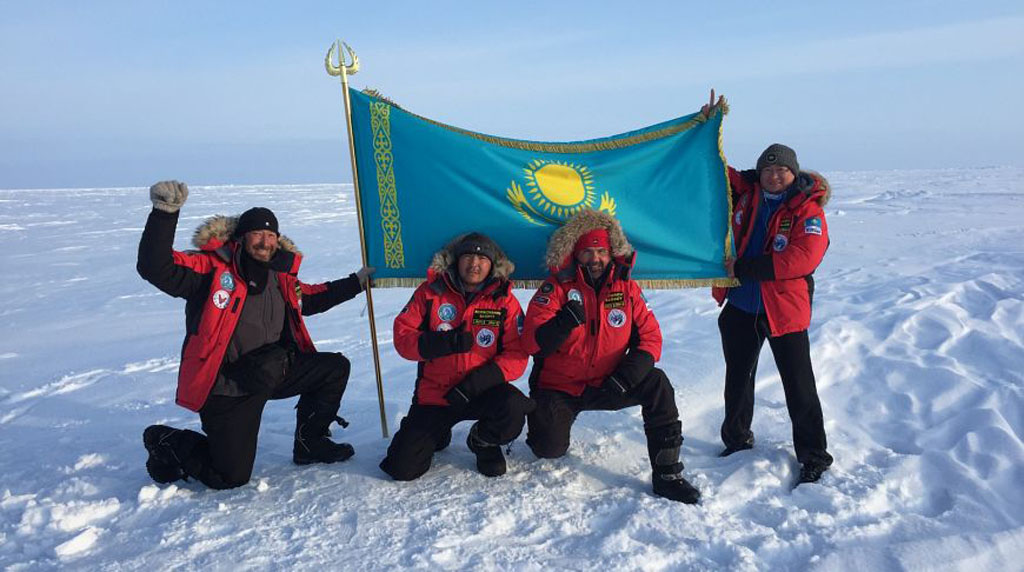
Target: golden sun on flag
{"type": "Point", "coordinates": [559, 189]}
{"type": "Point", "coordinates": [556, 190]}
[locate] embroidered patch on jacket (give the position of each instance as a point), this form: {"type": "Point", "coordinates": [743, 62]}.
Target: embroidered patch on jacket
{"type": "Point", "coordinates": [812, 226]}
{"type": "Point", "coordinates": [547, 288]}
{"type": "Point", "coordinates": [540, 300]}
{"type": "Point", "coordinates": [446, 312]}
{"type": "Point", "coordinates": [616, 318]}
{"type": "Point", "coordinates": [482, 317]}
{"type": "Point", "coordinates": [485, 338]}
{"type": "Point", "coordinates": [780, 242]}
{"type": "Point", "coordinates": [615, 300]}
{"type": "Point", "coordinates": [444, 327]}
{"type": "Point", "coordinates": [785, 225]}
{"type": "Point", "coordinates": [227, 282]}
{"type": "Point", "coordinates": [574, 294]}
{"type": "Point", "coordinates": [220, 299]}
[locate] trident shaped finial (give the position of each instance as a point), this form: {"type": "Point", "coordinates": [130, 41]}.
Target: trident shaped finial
{"type": "Point", "coordinates": [336, 69]}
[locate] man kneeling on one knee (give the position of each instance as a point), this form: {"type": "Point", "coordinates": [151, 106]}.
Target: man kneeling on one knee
{"type": "Point", "coordinates": [245, 343]}
{"type": "Point", "coordinates": [462, 325]}
{"type": "Point", "coordinates": [594, 342]}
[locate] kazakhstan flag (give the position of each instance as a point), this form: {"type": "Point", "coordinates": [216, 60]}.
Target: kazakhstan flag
{"type": "Point", "coordinates": [422, 182]}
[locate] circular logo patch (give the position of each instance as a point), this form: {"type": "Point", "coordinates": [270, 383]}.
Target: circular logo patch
{"type": "Point", "coordinates": [616, 318]}
{"type": "Point", "coordinates": [780, 242]}
{"type": "Point", "coordinates": [574, 294]}
{"type": "Point", "coordinates": [227, 281]}
{"type": "Point", "coordinates": [444, 327]}
{"type": "Point", "coordinates": [485, 338]}
{"type": "Point", "coordinates": [220, 299]}
{"type": "Point", "coordinates": [446, 312]}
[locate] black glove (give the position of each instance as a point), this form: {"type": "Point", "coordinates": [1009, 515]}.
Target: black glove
{"type": "Point", "coordinates": [261, 370]}
{"type": "Point", "coordinates": [614, 385]}
{"type": "Point", "coordinates": [553, 333]}
{"type": "Point", "coordinates": [633, 368]}
{"type": "Point", "coordinates": [433, 345]}
{"type": "Point", "coordinates": [474, 384]}
{"type": "Point", "coordinates": [571, 315]}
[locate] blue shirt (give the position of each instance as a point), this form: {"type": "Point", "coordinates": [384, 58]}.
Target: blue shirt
{"type": "Point", "coordinates": [747, 296]}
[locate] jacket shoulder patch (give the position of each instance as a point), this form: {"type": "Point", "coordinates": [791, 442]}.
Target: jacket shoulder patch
{"type": "Point", "coordinates": [812, 226]}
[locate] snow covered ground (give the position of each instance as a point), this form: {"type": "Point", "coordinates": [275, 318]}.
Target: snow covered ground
{"type": "Point", "coordinates": [918, 343]}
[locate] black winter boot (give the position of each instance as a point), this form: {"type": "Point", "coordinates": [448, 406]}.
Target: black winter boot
{"type": "Point", "coordinates": [811, 472]}
{"type": "Point", "coordinates": [311, 443]}
{"type": "Point", "coordinates": [170, 453]}
{"type": "Point", "coordinates": [663, 447]}
{"type": "Point", "coordinates": [489, 459]}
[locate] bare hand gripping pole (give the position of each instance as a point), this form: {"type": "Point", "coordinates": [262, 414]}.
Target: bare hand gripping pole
{"type": "Point", "coordinates": [343, 70]}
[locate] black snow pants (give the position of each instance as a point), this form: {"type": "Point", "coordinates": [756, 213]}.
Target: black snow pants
{"type": "Point", "coordinates": [743, 334]}
{"type": "Point", "coordinates": [551, 423]}
{"type": "Point", "coordinates": [500, 411]}
{"type": "Point", "coordinates": [225, 458]}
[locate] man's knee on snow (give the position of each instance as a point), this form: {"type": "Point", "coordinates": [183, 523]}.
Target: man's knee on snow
{"type": "Point", "coordinates": [403, 471]}
{"type": "Point", "coordinates": [546, 448]}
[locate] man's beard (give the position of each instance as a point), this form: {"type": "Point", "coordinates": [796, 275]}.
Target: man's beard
{"type": "Point", "coordinates": [254, 271]}
{"type": "Point", "coordinates": [261, 254]}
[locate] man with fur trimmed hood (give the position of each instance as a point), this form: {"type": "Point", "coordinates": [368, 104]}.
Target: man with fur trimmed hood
{"type": "Point", "coordinates": [781, 238]}
{"type": "Point", "coordinates": [594, 342]}
{"type": "Point", "coordinates": [462, 325]}
{"type": "Point", "coordinates": [245, 342]}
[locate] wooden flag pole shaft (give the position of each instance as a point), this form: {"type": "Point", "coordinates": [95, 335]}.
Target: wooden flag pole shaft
{"type": "Point", "coordinates": [344, 71]}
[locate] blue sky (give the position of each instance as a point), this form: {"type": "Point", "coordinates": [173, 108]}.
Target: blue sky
{"type": "Point", "coordinates": [126, 93]}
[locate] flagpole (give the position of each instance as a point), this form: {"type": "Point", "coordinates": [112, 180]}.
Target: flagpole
{"type": "Point", "coordinates": [344, 70]}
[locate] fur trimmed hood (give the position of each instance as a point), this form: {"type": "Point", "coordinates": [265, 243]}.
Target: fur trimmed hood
{"type": "Point", "coordinates": [562, 241]}
{"type": "Point", "coordinates": [501, 268]}
{"type": "Point", "coordinates": [216, 231]}
{"type": "Point", "coordinates": [815, 185]}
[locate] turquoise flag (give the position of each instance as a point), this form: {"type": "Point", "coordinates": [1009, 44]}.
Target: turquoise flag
{"type": "Point", "coordinates": [421, 183]}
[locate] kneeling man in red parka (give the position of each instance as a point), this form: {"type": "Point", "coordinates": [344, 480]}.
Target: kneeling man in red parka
{"type": "Point", "coordinates": [594, 342]}
{"type": "Point", "coordinates": [462, 325]}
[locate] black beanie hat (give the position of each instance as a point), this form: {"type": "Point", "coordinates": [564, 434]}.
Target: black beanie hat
{"type": "Point", "coordinates": [476, 243]}
{"type": "Point", "coordinates": [256, 218]}
{"type": "Point", "coordinates": [778, 154]}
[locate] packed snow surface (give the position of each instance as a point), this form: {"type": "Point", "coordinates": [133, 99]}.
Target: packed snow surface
{"type": "Point", "coordinates": [916, 339]}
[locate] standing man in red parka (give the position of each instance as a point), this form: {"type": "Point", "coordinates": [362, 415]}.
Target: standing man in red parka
{"type": "Point", "coordinates": [781, 238]}
{"type": "Point", "coordinates": [462, 325]}
{"type": "Point", "coordinates": [594, 342]}
{"type": "Point", "coordinates": [245, 342]}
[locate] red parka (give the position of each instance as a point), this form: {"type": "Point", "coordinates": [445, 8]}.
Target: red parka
{"type": "Point", "coordinates": [493, 317]}
{"type": "Point", "coordinates": [618, 317]}
{"type": "Point", "coordinates": [797, 238]}
{"type": "Point", "coordinates": [210, 282]}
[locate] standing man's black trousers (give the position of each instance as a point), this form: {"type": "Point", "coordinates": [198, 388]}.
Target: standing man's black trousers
{"type": "Point", "coordinates": [743, 334]}
{"type": "Point", "coordinates": [225, 458]}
